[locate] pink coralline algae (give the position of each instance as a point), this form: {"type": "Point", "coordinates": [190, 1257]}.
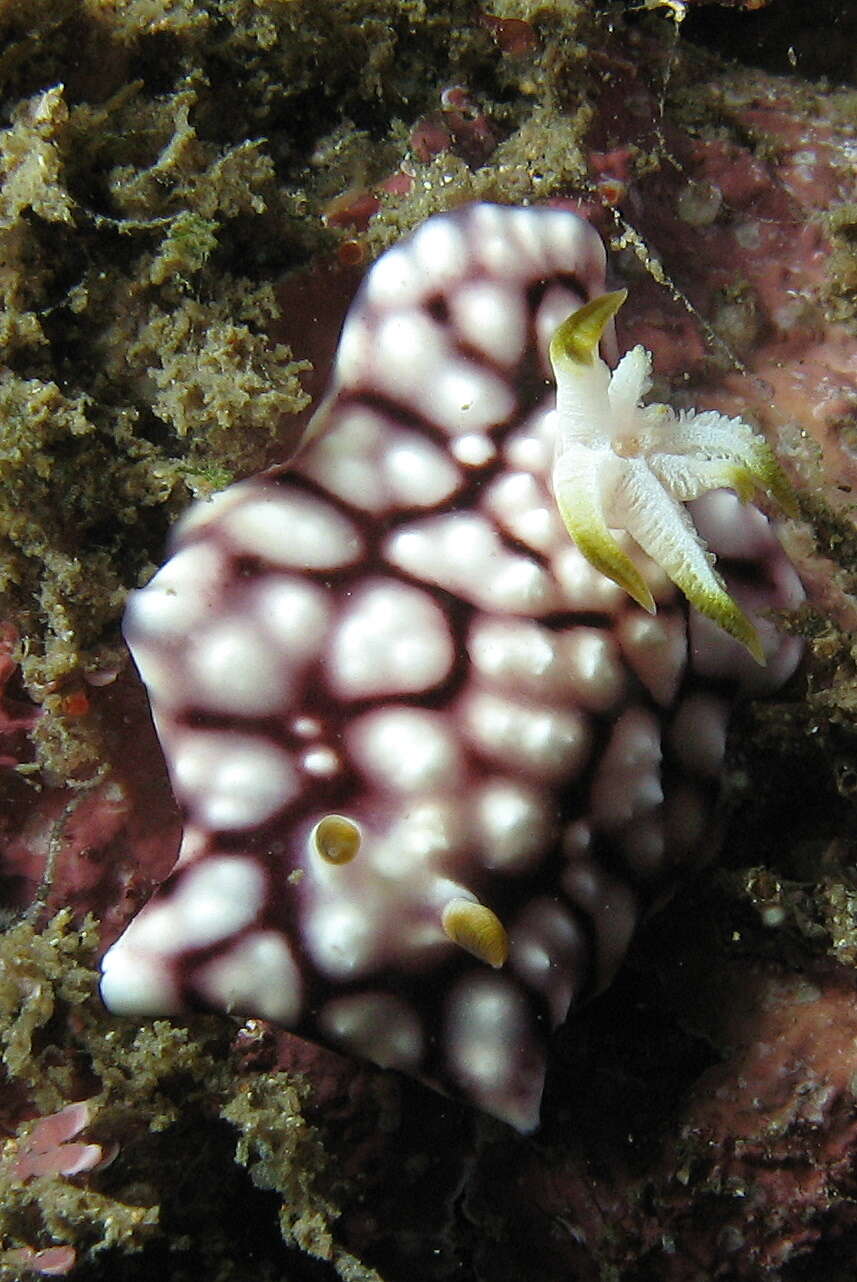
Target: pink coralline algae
{"type": "Point", "coordinates": [433, 764]}
{"type": "Point", "coordinates": [51, 1262]}
{"type": "Point", "coordinates": [51, 1147]}
{"type": "Point", "coordinates": [459, 126]}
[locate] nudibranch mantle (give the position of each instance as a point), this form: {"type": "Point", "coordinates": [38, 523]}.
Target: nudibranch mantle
{"type": "Point", "coordinates": [434, 764]}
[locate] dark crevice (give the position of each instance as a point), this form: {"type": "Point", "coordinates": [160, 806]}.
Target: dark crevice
{"type": "Point", "coordinates": [787, 37]}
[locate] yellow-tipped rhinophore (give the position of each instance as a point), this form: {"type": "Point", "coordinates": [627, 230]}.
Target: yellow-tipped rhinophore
{"type": "Point", "coordinates": [336, 839]}
{"type": "Point", "coordinates": [476, 929]}
{"type": "Point", "coordinates": [580, 333]}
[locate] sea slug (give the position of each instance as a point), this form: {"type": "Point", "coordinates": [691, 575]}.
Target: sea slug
{"type": "Point", "coordinates": [434, 760]}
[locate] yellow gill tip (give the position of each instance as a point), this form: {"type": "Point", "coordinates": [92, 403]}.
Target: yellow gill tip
{"type": "Point", "coordinates": [596, 543]}
{"type": "Point", "coordinates": [578, 336]}
{"type": "Point", "coordinates": [477, 930]}
{"type": "Point", "coordinates": [777, 484]}
{"type": "Point", "coordinates": [336, 839]}
{"type": "Point", "coordinates": [727, 614]}
{"type": "Point", "coordinates": [740, 627]}
{"type": "Point", "coordinates": [743, 482]}
{"type": "Point", "coordinates": [759, 469]}
{"type": "Point", "coordinates": [754, 645]}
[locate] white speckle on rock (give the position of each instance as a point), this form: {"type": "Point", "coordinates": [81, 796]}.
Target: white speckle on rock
{"type": "Point", "coordinates": [748, 235]}
{"type": "Point", "coordinates": [699, 203]}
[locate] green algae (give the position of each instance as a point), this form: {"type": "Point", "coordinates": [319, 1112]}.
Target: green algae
{"type": "Point", "coordinates": [158, 1092]}
{"type": "Point", "coordinates": [163, 164]}
{"type": "Point", "coordinates": [135, 373]}
{"type": "Point", "coordinates": [44, 977]}
{"type": "Point", "coordinates": [841, 294]}
{"type": "Point", "coordinates": [284, 1153]}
